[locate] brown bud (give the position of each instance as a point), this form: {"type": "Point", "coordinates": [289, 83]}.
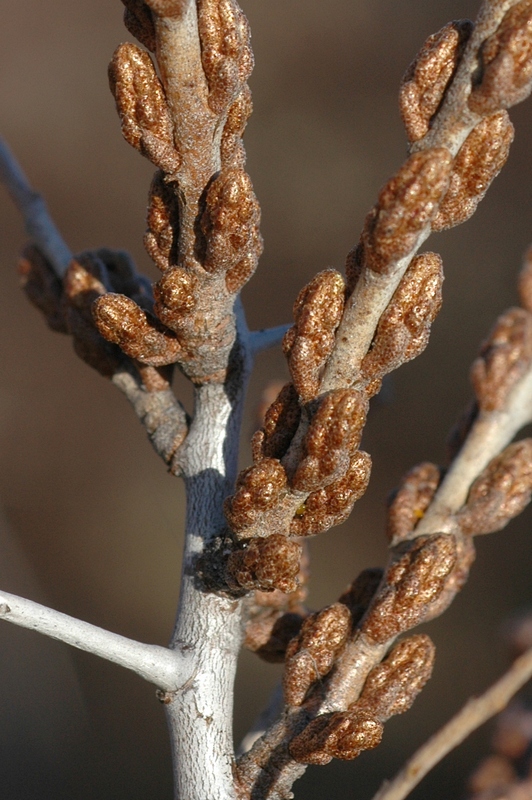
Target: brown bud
{"type": "Point", "coordinates": [501, 492]}
{"type": "Point", "coordinates": [413, 583]}
{"type": "Point", "coordinates": [392, 686]}
{"type": "Point", "coordinates": [269, 634]}
{"type": "Point", "coordinates": [141, 105]}
{"type": "Point", "coordinates": [406, 205]}
{"type": "Point", "coordinates": [361, 592]}
{"type": "Point", "coordinates": [429, 75]}
{"type": "Point", "coordinates": [231, 149]}
{"type": "Point", "coordinates": [504, 359]}
{"type": "Point", "coordinates": [505, 71]}
{"type": "Point", "coordinates": [168, 8]}
{"type": "Point", "coordinates": [280, 423]}
{"type": "Point", "coordinates": [226, 52]}
{"type": "Point", "coordinates": [317, 313]}
{"type": "Point", "coordinates": [121, 321]}
{"type": "Point", "coordinates": [175, 297]}
{"type": "Point", "coordinates": [333, 436]}
{"type": "Point", "coordinates": [42, 287]}
{"type": "Point", "coordinates": [258, 488]}
{"type": "Point", "coordinates": [162, 235]}
{"type": "Point", "coordinates": [411, 499]}
{"type": "Point", "coordinates": [333, 504]}
{"type": "Point", "coordinates": [404, 328]}
{"type": "Point", "coordinates": [230, 225]}
{"type": "Point", "coordinates": [312, 654]}
{"type": "Point", "coordinates": [343, 734]}
{"type": "Point", "coordinates": [479, 161]}
{"type": "Point", "coordinates": [139, 22]}
{"type": "Point", "coordinates": [525, 281]}
{"type": "Point", "coordinates": [81, 287]}
{"type": "Point", "coordinates": [268, 563]}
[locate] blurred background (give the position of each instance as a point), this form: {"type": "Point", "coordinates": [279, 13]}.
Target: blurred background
{"type": "Point", "coordinates": [92, 523]}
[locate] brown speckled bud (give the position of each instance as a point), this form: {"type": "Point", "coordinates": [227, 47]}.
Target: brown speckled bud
{"type": "Point", "coordinates": [311, 655]}
{"type": "Point", "coordinates": [258, 488]}
{"type": "Point", "coordinates": [505, 71]}
{"type": "Point", "coordinates": [427, 78]}
{"type": "Point", "coordinates": [307, 345]}
{"type": "Point", "coordinates": [121, 321]}
{"type": "Point", "coordinates": [175, 297]}
{"type": "Point", "coordinates": [334, 434]}
{"type": "Point", "coordinates": [231, 148]}
{"type": "Point", "coordinates": [82, 285]}
{"type": "Point", "coordinates": [392, 686]}
{"type": "Point", "coordinates": [504, 359]}
{"type": "Point", "coordinates": [42, 287]}
{"type": "Point", "coordinates": [501, 492]}
{"type": "Point", "coordinates": [406, 205]}
{"type": "Point", "coordinates": [479, 161]}
{"type": "Point", "coordinates": [270, 633]}
{"type": "Point", "coordinates": [225, 50]}
{"type": "Point", "coordinates": [333, 504]}
{"type": "Point", "coordinates": [413, 583]}
{"type": "Point", "coordinates": [268, 563]}
{"type": "Point", "coordinates": [280, 424]}
{"type": "Point", "coordinates": [160, 240]}
{"type": "Point", "coordinates": [230, 226]}
{"type": "Point", "coordinates": [404, 327]}
{"type": "Point", "coordinates": [141, 105]}
{"type": "Point", "coordinates": [343, 734]}
{"type": "Point", "coordinates": [139, 22]}
{"type": "Point", "coordinates": [411, 499]}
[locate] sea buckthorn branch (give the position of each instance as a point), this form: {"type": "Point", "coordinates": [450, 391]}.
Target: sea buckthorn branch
{"type": "Point", "coordinates": [431, 522]}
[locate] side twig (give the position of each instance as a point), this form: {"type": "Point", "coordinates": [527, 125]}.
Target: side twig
{"type": "Point", "coordinates": [476, 711]}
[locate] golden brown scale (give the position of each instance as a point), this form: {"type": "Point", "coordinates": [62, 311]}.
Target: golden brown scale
{"type": "Point", "coordinates": [404, 328]}
{"type": "Point", "coordinates": [506, 63]}
{"type": "Point", "coordinates": [226, 52]}
{"type": "Point", "coordinates": [141, 105]}
{"type": "Point", "coordinates": [232, 151]}
{"type": "Point", "coordinates": [139, 22]}
{"type": "Point", "coordinates": [280, 424]}
{"type": "Point", "coordinates": [313, 652]}
{"type": "Point", "coordinates": [427, 78]}
{"type": "Point", "coordinates": [504, 358]}
{"type": "Point", "coordinates": [410, 500]}
{"type": "Point", "coordinates": [121, 321]}
{"type": "Point", "coordinates": [258, 488]}
{"type": "Point", "coordinates": [407, 203]}
{"type": "Point", "coordinates": [317, 313]}
{"type": "Point", "coordinates": [161, 238]}
{"type": "Point", "coordinates": [501, 492]}
{"type": "Point", "coordinates": [266, 563]}
{"type": "Point", "coordinates": [392, 686]}
{"type": "Point", "coordinates": [333, 436]}
{"type": "Point", "coordinates": [413, 582]}
{"type": "Point", "coordinates": [343, 735]}
{"type": "Point", "coordinates": [479, 161]}
{"type": "Point", "coordinates": [332, 505]}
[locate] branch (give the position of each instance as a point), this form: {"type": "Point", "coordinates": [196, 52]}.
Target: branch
{"type": "Point", "coordinates": [38, 223]}
{"type": "Point", "coordinates": [469, 718]}
{"type": "Point", "coordinates": [169, 669]}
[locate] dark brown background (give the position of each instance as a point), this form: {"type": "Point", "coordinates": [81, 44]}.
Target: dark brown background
{"type": "Point", "coordinates": [93, 521]}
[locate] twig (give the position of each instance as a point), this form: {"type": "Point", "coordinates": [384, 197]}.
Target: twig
{"type": "Point", "coordinates": [169, 669]}
{"type": "Point", "coordinates": [38, 223]}
{"type": "Point", "coordinates": [475, 712]}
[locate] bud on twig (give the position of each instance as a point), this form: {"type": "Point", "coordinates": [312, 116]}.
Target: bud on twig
{"type": "Point", "coordinates": [427, 78]}
{"type": "Point", "coordinates": [410, 500]}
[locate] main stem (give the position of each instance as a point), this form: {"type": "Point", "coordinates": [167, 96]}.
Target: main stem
{"type": "Point", "coordinates": [200, 716]}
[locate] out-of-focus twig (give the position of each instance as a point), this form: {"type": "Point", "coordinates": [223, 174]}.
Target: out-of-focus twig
{"type": "Point", "coordinates": [476, 711]}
